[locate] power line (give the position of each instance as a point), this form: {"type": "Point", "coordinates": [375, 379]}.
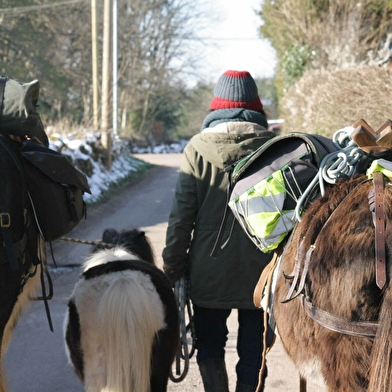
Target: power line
{"type": "Point", "coordinates": [232, 39]}
{"type": "Point", "coordinates": [223, 39]}
{"type": "Point", "coordinates": [39, 7]}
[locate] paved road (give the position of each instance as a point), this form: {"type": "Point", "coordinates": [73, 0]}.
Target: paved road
{"type": "Point", "coordinates": [36, 359]}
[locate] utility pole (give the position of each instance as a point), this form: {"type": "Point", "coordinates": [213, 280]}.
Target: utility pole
{"type": "Point", "coordinates": [115, 67]}
{"type": "Point", "coordinates": [105, 131]}
{"type": "Point", "coordinates": [94, 62]}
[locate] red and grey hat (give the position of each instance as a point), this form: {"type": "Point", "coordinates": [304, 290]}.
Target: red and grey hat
{"type": "Point", "coordinates": [236, 89]}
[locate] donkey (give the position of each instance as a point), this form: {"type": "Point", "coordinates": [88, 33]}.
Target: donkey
{"type": "Point", "coordinates": [336, 325]}
{"type": "Point", "coordinates": [121, 326]}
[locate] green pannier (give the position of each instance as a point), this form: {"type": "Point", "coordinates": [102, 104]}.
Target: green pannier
{"type": "Point", "coordinates": [266, 185]}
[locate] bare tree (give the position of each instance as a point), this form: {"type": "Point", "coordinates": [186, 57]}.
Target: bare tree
{"type": "Point", "coordinates": [51, 41]}
{"type": "Point", "coordinates": [156, 53]}
{"type": "Point", "coordinates": [48, 42]}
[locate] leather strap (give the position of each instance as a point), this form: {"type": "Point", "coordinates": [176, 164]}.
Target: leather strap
{"type": "Point", "coordinates": [305, 270]}
{"type": "Point", "coordinates": [265, 281]}
{"type": "Point", "coordinates": [301, 266]}
{"type": "Point", "coordinates": [360, 328]}
{"type": "Point", "coordinates": [295, 275]}
{"type": "Point", "coordinates": [327, 320]}
{"type": "Point", "coordinates": [264, 284]}
{"type": "Point", "coordinates": [376, 204]}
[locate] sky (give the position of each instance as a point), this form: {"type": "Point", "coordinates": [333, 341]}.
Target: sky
{"type": "Point", "coordinates": [235, 43]}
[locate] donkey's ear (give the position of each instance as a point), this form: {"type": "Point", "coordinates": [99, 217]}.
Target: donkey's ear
{"type": "Point", "coordinates": [110, 236]}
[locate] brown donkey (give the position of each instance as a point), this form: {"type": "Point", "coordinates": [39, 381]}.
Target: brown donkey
{"type": "Point", "coordinates": [333, 319]}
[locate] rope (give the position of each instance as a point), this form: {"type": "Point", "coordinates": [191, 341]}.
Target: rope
{"type": "Point", "coordinates": [334, 166]}
{"type": "Point", "coordinates": [181, 291]}
{"type": "Point", "coordinates": [75, 240]}
{"type": "Point", "coordinates": [85, 242]}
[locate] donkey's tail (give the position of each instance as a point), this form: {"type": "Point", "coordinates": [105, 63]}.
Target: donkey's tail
{"type": "Point", "coordinates": [380, 378]}
{"type": "Point", "coordinates": [130, 314]}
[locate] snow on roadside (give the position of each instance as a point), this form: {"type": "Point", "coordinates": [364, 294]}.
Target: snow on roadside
{"type": "Point", "coordinates": [102, 178]}
{"type": "Point", "coordinates": [86, 155]}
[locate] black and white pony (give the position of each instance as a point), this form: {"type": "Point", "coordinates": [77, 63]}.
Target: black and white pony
{"type": "Point", "coordinates": [121, 327]}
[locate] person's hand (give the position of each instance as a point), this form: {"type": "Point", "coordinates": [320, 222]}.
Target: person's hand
{"type": "Point", "coordinates": [174, 275]}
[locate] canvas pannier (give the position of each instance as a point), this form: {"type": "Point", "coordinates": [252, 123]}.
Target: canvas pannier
{"type": "Point", "coordinates": [56, 189]}
{"type": "Point", "coordinates": [266, 185]}
{"type": "Point", "coordinates": [54, 185]}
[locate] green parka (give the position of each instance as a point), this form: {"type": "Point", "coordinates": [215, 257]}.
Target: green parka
{"type": "Point", "coordinates": [227, 281]}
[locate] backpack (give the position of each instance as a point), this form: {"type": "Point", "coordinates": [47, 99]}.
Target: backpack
{"type": "Point", "coordinates": [266, 185]}
{"type": "Point", "coordinates": [54, 185]}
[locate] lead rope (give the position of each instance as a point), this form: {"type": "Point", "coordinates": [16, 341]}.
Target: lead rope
{"type": "Point", "coordinates": [77, 241]}
{"type": "Point", "coordinates": [84, 242]}
{"type": "Point", "coordinates": [181, 291]}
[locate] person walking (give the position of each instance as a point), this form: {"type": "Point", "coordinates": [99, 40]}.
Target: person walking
{"type": "Point", "coordinates": [222, 263]}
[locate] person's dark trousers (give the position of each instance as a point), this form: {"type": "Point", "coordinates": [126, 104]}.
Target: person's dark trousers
{"type": "Point", "coordinates": [249, 347]}
{"type": "Point", "coordinates": [211, 336]}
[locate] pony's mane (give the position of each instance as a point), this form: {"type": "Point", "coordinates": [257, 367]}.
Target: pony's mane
{"type": "Point", "coordinates": [107, 255]}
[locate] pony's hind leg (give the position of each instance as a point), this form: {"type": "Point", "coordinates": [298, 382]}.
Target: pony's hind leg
{"type": "Point", "coordinates": [2, 386]}
{"type": "Point", "coordinates": [29, 290]}
{"type": "Point", "coordinates": [10, 314]}
{"type": "Point", "coordinates": [162, 359]}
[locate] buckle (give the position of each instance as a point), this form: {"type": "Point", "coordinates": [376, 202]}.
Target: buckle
{"type": "Point", "coordinates": [5, 219]}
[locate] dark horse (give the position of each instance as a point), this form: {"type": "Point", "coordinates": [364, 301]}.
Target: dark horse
{"type": "Point", "coordinates": [122, 327]}
{"type": "Point", "coordinates": [328, 321]}
{"type": "Point", "coordinates": [22, 249]}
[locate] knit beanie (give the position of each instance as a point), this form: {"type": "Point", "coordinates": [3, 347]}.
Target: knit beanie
{"type": "Point", "coordinates": [236, 89]}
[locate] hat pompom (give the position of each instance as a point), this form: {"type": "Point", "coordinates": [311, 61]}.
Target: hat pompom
{"type": "Point", "coordinates": [236, 89]}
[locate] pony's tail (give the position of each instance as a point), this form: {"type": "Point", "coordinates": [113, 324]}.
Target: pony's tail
{"type": "Point", "coordinates": [129, 317]}
{"type": "Point", "coordinates": [380, 377]}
